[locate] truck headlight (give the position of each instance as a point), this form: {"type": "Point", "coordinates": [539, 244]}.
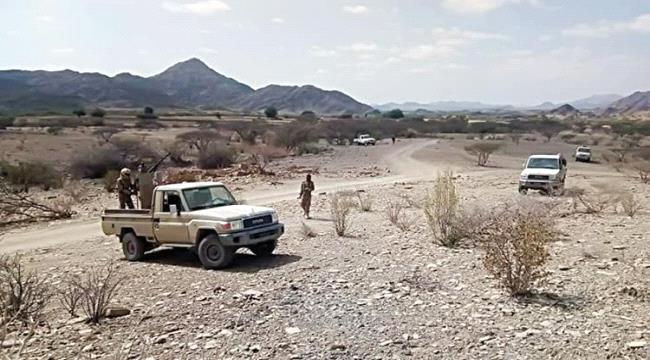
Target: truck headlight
{"type": "Point", "coordinates": [230, 225]}
{"type": "Point", "coordinates": [274, 218]}
{"type": "Point", "coordinates": [523, 177]}
{"type": "Point", "coordinates": [551, 177]}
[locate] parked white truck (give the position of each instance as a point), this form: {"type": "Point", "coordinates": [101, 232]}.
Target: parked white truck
{"type": "Point", "coordinates": [364, 139]}
{"type": "Point", "coordinates": [201, 216]}
{"type": "Point", "coordinates": [546, 173]}
{"type": "Point", "coordinates": [583, 153]}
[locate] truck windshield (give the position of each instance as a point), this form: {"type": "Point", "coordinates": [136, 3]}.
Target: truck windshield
{"type": "Point", "coordinates": [584, 150]}
{"type": "Point", "coordinates": [542, 163]}
{"type": "Point", "coordinates": [208, 197]}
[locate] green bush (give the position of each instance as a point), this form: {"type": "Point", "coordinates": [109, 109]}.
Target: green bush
{"type": "Point", "coordinates": [271, 112]}
{"type": "Point", "coordinates": [6, 122]}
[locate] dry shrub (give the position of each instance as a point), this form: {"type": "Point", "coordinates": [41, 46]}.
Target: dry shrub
{"type": "Point", "coordinates": [516, 247]}
{"type": "Point", "coordinates": [69, 297]}
{"type": "Point", "coordinates": [30, 174]}
{"type": "Point", "coordinates": [97, 287]}
{"type": "Point", "coordinates": [441, 211]}
{"type": "Point", "coordinates": [406, 222]}
{"type": "Point", "coordinates": [307, 231]}
{"type": "Point", "coordinates": [642, 167]}
{"type": "Point", "coordinates": [365, 201]}
{"type": "Point", "coordinates": [594, 202]}
{"type": "Point", "coordinates": [394, 212]}
{"type": "Point", "coordinates": [23, 293]}
{"type": "Point", "coordinates": [216, 156]}
{"type": "Point", "coordinates": [16, 207]}
{"type": "Point", "coordinates": [482, 150]}
{"type": "Point", "coordinates": [630, 204]}
{"type": "Point", "coordinates": [96, 163]}
{"type": "Point", "coordinates": [340, 207]}
{"type": "Point", "coordinates": [110, 180]}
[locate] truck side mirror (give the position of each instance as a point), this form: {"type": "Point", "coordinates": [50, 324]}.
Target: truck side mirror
{"type": "Point", "coordinates": [173, 209]}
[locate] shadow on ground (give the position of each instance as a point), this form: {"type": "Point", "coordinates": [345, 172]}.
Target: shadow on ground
{"type": "Point", "coordinates": [566, 302]}
{"type": "Point", "coordinates": [243, 262]}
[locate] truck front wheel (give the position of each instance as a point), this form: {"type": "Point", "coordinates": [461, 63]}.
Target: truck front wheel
{"type": "Point", "coordinates": [213, 254]}
{"type": "Point", "coordinates": [264, 249]}
{"type": "Point", "coordinates": [133, 247]}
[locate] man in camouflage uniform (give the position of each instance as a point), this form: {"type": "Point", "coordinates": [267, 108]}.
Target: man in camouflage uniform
{"type": "Point", "coordinates": [125, 189]}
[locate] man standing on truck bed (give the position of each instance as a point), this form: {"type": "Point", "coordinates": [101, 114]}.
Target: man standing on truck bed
{"type": "Point", "coordinates": [125, 188]}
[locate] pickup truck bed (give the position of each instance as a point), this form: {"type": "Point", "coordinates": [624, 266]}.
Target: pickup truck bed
{"type": "Point", "coordinates": [114, 220]}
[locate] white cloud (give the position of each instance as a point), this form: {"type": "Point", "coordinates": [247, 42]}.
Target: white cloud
{"type": "Point", "coordinates": [448, 42]}
{"type": "Point", "coordinates": [11, 32]}
{"type": "Point", "coordinates": [277, 20]}
{"type": "Point", "coordinates": [318, 51]}
{"type": "Point", "coordinates": [424, 52]}
{"type": "Point", "coordinates": [361, 47]}
{"type": "Point", "coordinates": [605, 29]}
{"type": "Point", "coordinates": [206, 7]}
{"type": "Point", "coordinates": [45, 18]}
{"type": "Point", "coordinates": [206, 50]}
{"type": "Point", "coordinates": [457, 36]}
{"type": "Point", "coordinates": [481, 6]}
{"type": "Point", "coordinates": [321, 71]}
{"type": "Point", "coordinates": [355, 9]}
{"type": "Point", "coordinates": [63, 50]}
{"type": "Point", "coordinates": [545, 38]}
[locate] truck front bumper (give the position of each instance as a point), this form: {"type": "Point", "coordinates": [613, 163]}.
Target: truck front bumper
{"type": "Point", "coordinates": [538, 184]}
{"type": "Point", "coordinates": [253, 236]}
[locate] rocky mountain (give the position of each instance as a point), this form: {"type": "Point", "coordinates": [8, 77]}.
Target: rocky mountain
{"type": "Point", "coordinates": [441, 106]}
{"type": "Point", "coordinates": [189, 84]}
{"type": "Point", "coordinates": [565, 110]}
{"type": "Point", "coordinates": [595, 102]}
{"type": "Point", "coordinates": [637, 102]}
{"type": "Point", "coordinates": [295, 99]}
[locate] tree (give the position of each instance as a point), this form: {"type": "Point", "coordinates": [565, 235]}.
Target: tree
{"type": "Point", "coordinates": [99, 113]}
{"type": "Point", "coordinates": [199, 139]}
{"type": "Point", "coordinates": [79, 112]}
{"type": "Point", "coordinates": [482, 151]}
{"type": "Point", "coordinates": [292, 135]}
{"type": "Point", "coordinates": [308, 116]}
{"type": "Point", "coordinates": [271, 112]}
{"type": "Point", "coordinates": [106, 133]}
{"type": "Point", "coordinates": [148, 110]}
{"type": "Point", "coordinates": [394, 114]}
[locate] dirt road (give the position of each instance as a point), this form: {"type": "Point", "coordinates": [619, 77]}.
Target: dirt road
{"type": "Point", "coordinates": [404, 167]}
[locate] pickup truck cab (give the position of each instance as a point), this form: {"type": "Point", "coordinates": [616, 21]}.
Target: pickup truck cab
{"type": "Point", "coordinates": [546, 173]}
{"type": "Point", "coordinates": [583, 153]}
{"type": "Point", "coordinates": [365, 139]}
{"type": "Point", "coordinates": [201, 216]}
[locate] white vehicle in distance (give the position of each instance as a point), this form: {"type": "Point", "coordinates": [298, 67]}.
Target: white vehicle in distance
{"type": "Point", "coordinates": [364, 139]}
{"type": "Point", "coordinates": [583, 153]}
{"type": "Point", "coordinates": [546, 173]}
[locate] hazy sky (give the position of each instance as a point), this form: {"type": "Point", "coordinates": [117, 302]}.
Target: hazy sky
{"type": "Point", "coordinates": [498, 51]}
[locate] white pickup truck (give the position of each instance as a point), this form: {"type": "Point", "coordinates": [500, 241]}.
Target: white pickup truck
{"type": "Point", "coordinates": [200, 216]}
{"type": "Point", "coordinates": [364, 139]}
{"type": "Point", "coordinates": [583, 153]}
{"type": "Point", "coordinates": [546, 173]}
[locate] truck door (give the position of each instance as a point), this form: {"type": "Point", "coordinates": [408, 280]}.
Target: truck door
{"type": "Point", "coordinates": [168, 227]}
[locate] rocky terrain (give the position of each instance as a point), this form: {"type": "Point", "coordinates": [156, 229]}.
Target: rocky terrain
{"type": "Point", "coordinates": [378, 293]}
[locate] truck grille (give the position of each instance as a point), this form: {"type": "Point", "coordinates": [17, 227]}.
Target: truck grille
{"type": "Point", "coordinates": [537, 177]}
{"type": "Point", "coordinates": [258, 221]}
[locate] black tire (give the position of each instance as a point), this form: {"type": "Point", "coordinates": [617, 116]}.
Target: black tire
{"type": "Point", "coordinates": [213, 254]}
{"type": "Point", "coordinates": [523, 191]}
{"type": "Point", "coordinates": [264, 249]}
{"type": "Point", "coordinates": [133, 247]}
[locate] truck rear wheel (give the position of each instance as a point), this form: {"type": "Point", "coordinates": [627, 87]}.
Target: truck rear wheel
{"type": "Point", "coordinates": [264, 249]}
{"type": "Point", "coordinates": [133, 247]}
{"type": "Point", "coordinates": [213, 254]}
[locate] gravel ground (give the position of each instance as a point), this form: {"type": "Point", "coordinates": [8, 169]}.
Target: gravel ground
{"type": "Point", "coordinates": [379, 293]}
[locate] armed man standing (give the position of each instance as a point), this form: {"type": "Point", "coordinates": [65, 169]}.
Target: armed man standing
{"type": "Point", "coordinates": [125, 188]}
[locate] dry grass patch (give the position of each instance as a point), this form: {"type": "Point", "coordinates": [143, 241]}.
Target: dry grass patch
{"type": "Point", "coordinates": [23, 293]}
{"type": "Point", "coordinates": [341, 206]}
{"type": "Point", "coordinates": [630, 204]}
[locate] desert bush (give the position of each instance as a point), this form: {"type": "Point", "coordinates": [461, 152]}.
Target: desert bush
{"type": "Point", "coordinates": [394, 114]}
{"type": "Point", "coordinates": [54, 130]}
{"type": "Point", "coordinates": [69, 296]}
{"type": "Point", "coordinates": [292, 135]}
{"type": "Point", "coordinates": [199, 139]}
{"type": "Point", "coordinates": [79, 112]}
{"type": "Point", "coordinates": [98, 287]}
{"type": "Point", "coordinates": [216, 156]}
{"type": "Point", "coordinates": [307, 231]}
{"type": "Point", "coordinates": [310, 148]}
{"type": "Point", "coordinates": [110, 180]}
{"type": "Point", "coordinates": [23, 293]}
{"type": "Point", "coordinates": [516, 247]}
{"type": "Point", "coordinates": [95, 163]}
{"type": "Point", "coordinates": [17, 207]}
{"type": "Point", "coordinates": [365, 201]}
{"type": "Point", "coordinates": [177, 151]}
{"type": "Point", "coordinates": [271, 112]}
{"type": "Point", "coordinates": [148, 123]}
{"type": "Point", "coordinates": [29, 174]}
{"type": "Point", "coordinates": [98, 113]}
{"type": "Point", "coordinates": [482, 150]}
{"type": "Point", "coordinates": [106, 133]}
{"type": "Point", "coordinates": [441, 211]}
{"type": "Point", "coordinates": [516, 138]}
{"type": "Point", "coordinates": [340, 207]}
{"type": "Point", "coordinates": [6, 122]}
{"type": "Point", "coordinates": [394, 212]}
{"type": "Point", "coordinates": [593, 202]}
{"type": "Point", "coordinates": [406, 222]}
{"type": "Point", "coordinates": [642, 168]}
{"type": "Point", "coordinates": [630, 204]}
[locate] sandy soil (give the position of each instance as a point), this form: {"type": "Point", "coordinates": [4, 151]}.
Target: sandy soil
{"type": "Point", "coordinates": [379, 293]}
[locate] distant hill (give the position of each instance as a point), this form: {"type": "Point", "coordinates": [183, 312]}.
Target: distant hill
{"type": "Point", "coordinates": [441, 106]}
{"type": "Point", "coordinates": [295, 99]}
{"type": "Point", "coordinates": [190, 84]}
{"type": "Point", "coordinates": [637, 102]}
{"type": "Point", "coordinates": [595, 101]}
{"type": "Point", "coordinates": [565, 110]}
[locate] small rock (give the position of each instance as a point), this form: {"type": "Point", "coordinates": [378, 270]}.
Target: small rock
{"type": "Point", "coordinates": [254, 294]}
{"type": "Point", "coordinates": [620, 247]}
{"type": "Point", "coordinates": [637, 344]}
{"type": "Point", "coordinates": [161, 339]}
{"type": "Point", "coordinates": [565, 268]}
{"type": "Point", "coordinates": [338, 347]}
{"type": "Point", "coordinates": [116, 311]}
{"type": "Point", "coordinates": [292, 330]}
{"type": "Point", "coordinates": [88, 348]}
{"type": "Point", "coordinates": [225, 333]}
{"type": "Point", "coordinates": [212, 344]}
